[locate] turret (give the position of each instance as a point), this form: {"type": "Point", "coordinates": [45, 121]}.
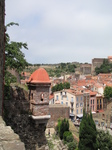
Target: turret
{"type": "Point", "coordinates": [39, 85]}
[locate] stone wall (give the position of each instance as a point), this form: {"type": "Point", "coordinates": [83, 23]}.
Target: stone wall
{"type": "Point", "coordinates": [8, 139]}
{"type": "Point", "coordinates": [96, 62]}
{"type": "Point", "coordinates": [104, 117]}
{"type": "Point", "coordinates": [2, 38]}
{"type": "Point", "coordinates": [57, 111]}
{"type": "Point", "coordinates": [85, 69]}
{"type": "Point", "coordinates": [17, 115]}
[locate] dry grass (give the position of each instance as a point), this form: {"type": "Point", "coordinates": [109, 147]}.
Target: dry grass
{"type": "Point", "coordinates": [74, 130]}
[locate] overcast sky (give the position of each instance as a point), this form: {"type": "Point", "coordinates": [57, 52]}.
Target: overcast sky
{"type": "Point", "coordinates": [62, 30]}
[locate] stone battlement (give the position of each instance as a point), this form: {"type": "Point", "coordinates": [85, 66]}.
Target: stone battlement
{"type": "Point", "coordinates": [8, 139]}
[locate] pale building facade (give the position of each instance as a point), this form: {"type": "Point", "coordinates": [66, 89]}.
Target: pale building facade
{"type": "Point", "coordinates": [72, 99]}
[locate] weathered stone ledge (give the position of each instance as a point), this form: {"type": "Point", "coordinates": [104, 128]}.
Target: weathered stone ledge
{"type": "Point", "coordinates": [8, 139]}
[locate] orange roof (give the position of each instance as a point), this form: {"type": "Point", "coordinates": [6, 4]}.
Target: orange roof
{"type": "Point", "coordinates": [100, 110]}
{"type": "Point", "coordinates": [51, 96]}
{"type": "Point", "coordinates": [39, 76]}
{"type": "Point", "coordinates": [109, 57]}
{"type": "Point", "coordinates": [92, 93]}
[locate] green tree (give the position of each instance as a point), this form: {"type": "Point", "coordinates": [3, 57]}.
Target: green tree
{"type": "Point", "coordinates": [14, 57]}
{"type": "Point", "coordinates": [106, 67]}
{"type": "Point", "coordinates": [87, 133]}
{"type": "Point", "coordinates": [104, 140]}
{"type": "Point", "coordinates": [63, 125]}
{"type": "Point", "coordinates": [72, 146]}
{"type": "Point", "coordinates": [60, 86]}
{"type": "Point", "coordinates": [108, 92]}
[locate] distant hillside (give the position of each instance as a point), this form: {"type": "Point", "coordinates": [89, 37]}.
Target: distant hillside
{"type": "Point", "coordinates": [55, 69]}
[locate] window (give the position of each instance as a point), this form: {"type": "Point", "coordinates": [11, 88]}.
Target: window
{"type": "Point", "coordinates": [77, 111]}
{"type": "Point", "coordinates": [42, 97]}
{"type": "Point", "coordinates": [81, 104]}
{"type": "Point", "coordinates": [77, 105]}
{"type": "Point", "coordinates": [60, 93]}
{"type": "Point", "coordinates": [81, 111]}
{"type": "Point", "coordinates": [81, 98]}
{"type": "Point", "coordinates": [61, 97]}
{"type": "Point", "coordinates": [97, 101]}
{"type": "Point", "coordinates": [61, 102]}
{"type": "Point", "coordinates": [32, 95]}
{"type": "Point", "coordinates": [71, 105]}
{"type": "Point", "coordinates": [56, 97]}
{"type": "Point", "coordinates": [103, 115]}
{"type": "Point", "coordinates": [71, 99]}
{"type": "Point", "coordinates": [71, 110]}
{"type": "Point", "coordinates": [93, 108]}
{"type": "Point", "coordinates": [67, 103]}
{"type": "Point", "coordinates": [93, 101]}
{"type": "Point", "coordinates": [77, 99]}
{"type": "Point", "coordinates": [96, 122]}
{"type": "Point", "coordinates": [100, 101]}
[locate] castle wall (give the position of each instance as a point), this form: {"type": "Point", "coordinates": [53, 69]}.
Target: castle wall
{"type": "Point", "coordinates": [85, 69]}
{"type": "Point", "coordinates": [96, 62]}
{"type": "Point", "coordinates": [17, 115]}
{"type": "Point", "coordinates": [57, 111]}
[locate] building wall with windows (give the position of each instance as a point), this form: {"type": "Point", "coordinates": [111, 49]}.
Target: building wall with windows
{"type": "Point", "coordinates": [93, 102]}
{"type": "Point", "coordinates": [87, 101]}
{"type": "Point", "coordinates": [99, 100]}
{"type": "Point", "coordinates": [79, 103]}
{"type": "Point", "coordinates": [71, 99]}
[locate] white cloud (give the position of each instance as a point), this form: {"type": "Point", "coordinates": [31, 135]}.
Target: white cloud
{"type": "Point", "coordinates": [62, 31]}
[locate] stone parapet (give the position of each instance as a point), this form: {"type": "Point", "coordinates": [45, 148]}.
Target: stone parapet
{"type": "Point", "coordinates": [8, 139]}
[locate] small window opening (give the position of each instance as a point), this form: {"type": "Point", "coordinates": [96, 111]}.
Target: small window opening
{"type": "Point", "coordinates": [42, 97]}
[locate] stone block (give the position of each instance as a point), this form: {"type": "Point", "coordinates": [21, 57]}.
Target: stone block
{"type": "Point", "coordinates": [13, 145]}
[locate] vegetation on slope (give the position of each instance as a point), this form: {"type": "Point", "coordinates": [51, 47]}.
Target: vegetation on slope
{"type": "Point", "coordinates": [60, 86]}
{"type": "Point", "coordinates": [108, 92]}
{"type": "Point", "coordinates": [55, 70]}
{"type": "Point", "coordinates": [106, 67]}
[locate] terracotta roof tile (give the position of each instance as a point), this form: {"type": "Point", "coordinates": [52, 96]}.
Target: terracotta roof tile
{"type": "Point", "coordinates": [39, 76]}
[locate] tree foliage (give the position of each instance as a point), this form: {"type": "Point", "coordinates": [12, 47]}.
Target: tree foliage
{"type": "Point", "coordinates": [61, 86]}
{"type": "Point", "coordinates": [104, 140]}
{"type": "Point", "coordinates": [106, 67]}
{"type": "Point", "coordinates": [87, 133]}
{"type": "Point", "coordinates": [72, 146]}
{"type": "Point", "coordinates": [108, 92]}
{"type": "Point", "coordinates": [63, 125]}
{"type": "Point", "coordinates": [14, 57]}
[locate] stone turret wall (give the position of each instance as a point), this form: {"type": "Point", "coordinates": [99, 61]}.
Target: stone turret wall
{"type": "Point", "coordinates": [17, 115]}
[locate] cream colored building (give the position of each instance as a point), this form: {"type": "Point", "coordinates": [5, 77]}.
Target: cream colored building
{"type": "Point", "coordinates": [72, 99]}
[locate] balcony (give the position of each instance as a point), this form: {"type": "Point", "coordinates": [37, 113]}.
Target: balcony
{"type": "Point", "coordinates": [72, 107]}
{"type": "Point", "coordinates": [72, 101]}
{"type": "Point", "coordinates": [64, 95]}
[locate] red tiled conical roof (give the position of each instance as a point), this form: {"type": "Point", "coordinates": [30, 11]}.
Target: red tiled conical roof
{"type": "Point", "coordinates": [39, 76]}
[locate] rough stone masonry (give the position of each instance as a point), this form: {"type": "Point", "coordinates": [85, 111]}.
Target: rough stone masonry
{"type": "Point", "coordinates": [2, 38]}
